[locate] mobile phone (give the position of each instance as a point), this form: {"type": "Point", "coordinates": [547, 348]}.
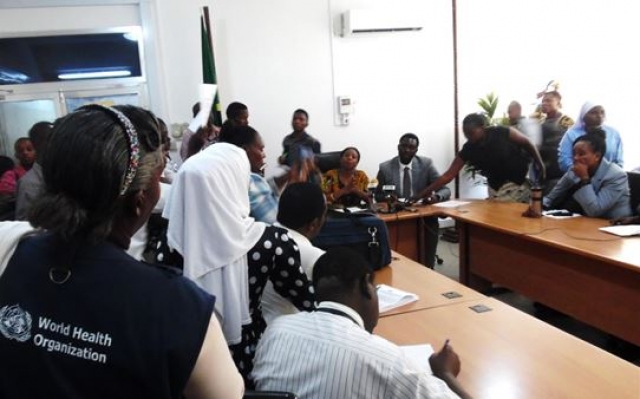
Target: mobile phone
{"type": "Point", "coordinates": [305, 153]}
{"type": "Point", "coordinates": [560, 212]}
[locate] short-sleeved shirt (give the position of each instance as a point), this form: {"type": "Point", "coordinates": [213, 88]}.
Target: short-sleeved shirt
{"type": "Point", "coordinates": [292, 143]}
{"type": "Point", "coordinates": [497, 158]}
{"type": "Point", "coordinates": [117, 328]}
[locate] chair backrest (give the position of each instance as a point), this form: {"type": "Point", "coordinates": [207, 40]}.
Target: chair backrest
{"type": "Point", "coordinates": [325, 161]}
{"type": "Point", "coordinates": [268, 395]}
{"type": "Point", "coordinates": [634, 187]}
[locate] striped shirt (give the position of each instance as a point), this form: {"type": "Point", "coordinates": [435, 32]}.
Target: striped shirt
{"type": "Point", "coordinates": [323, 355]}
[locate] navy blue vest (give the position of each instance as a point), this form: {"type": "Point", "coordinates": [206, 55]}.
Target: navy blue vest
{"type": "Point", "coordinates": [117, 328]}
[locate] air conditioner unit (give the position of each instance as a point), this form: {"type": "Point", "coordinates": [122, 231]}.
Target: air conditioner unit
{"type": "Point", "coordinates": [375, 21]}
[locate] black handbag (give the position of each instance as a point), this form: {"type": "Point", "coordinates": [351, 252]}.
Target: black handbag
{"type": "Point", "coordinates": [363, 232]}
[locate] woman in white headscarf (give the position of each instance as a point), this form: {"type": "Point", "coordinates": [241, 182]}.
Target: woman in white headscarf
{"type": "Point", "coordinates": [226, 251]}
{"type": "Point", "coordinates": [591, 117]}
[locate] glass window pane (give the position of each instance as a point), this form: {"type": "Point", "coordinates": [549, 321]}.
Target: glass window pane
{"type": "Point", "coordinates": [69, 57]}
{"type": "Point", "coordinates": [17, 117]}
{"type": "Point", "coordinates": [109, 100]}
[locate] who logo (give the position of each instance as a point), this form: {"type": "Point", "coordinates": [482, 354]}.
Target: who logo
{"type": "Point", "coordinates": [15, 323]}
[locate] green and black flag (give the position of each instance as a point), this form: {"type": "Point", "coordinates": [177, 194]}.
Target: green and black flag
{"type": "Point", "coordinates": [208, 63]}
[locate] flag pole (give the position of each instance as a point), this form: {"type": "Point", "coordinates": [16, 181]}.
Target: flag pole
{"type": "Point", "coordinates": [209, 75]}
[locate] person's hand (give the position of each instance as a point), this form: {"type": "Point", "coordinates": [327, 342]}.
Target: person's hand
{"type": "Point", "coordinates": [431, 198]}
{"type": "Point", "coordinates": [530, 213]}
{"type": "Point", "coordinates": [351, 187]}
{"type": "Point", "coordinates": [542, 172]}
{"type": "Point", "coordinates": [445, 362]}
{"type": "Point", "coordinates": [282, 159]}
{"type": "Point", "coordinates": [625, 220]}
{"type": "Point", "coordinates": [580, 170]}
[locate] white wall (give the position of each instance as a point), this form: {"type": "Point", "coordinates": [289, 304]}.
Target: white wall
{"type": "Point", "coordinates": [280, 55]}
{"type": "Point", "coordinates": [515, 47]}
{"type": "Point", "coordinates": [48, 19]}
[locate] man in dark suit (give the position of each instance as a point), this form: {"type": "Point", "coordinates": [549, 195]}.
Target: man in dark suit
{"type": "Point", "coordinates": [410, 174]}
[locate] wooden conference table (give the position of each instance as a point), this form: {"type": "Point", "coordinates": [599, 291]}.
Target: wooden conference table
{"type": "Point", "coordinates": [566, 264]}
{"type": "Point", "coordinates": [508, 354]}
{"type": "Point", "coordinates": [433, 289]}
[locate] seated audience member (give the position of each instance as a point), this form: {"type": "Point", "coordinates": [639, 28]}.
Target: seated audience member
{"type": "Point", "coordinates": [170, 167]}
{"type": "Point", "coordinates": [301, 212]}
{"type": "Point", "coordinates": [347, 185]}
{"type": "Point", "coordinates": [410, 174]}
{"type": "Point", "coordinates": [593, 186]}
{"type": "Point", "coordinates": [6, 164]}
{"type": "Point", "coordinates": [299, 141]}
{"type": "Point", "coordinates": [310, 354]}
{"type": "Point", "coordinates": [591, 118]}
{"type": "Point", "coordinates": [635, 219]}
{"type": "Point", "coordinates": [553, 125]}
{"type": "Point", "coordinates": [263, 193]}
{"type": "Point", "coordinates": [7, 202]}
{"type": "Point", "coordinates": [237, 115]}
{"type": "Point", "coordinates": [205, 135]}
{"type": "Point", "coordinates": [96, 323]}
{"type": "Point", "coordinates": [26, 156]}
{"type": "Point", "coordinates": [226, 251]}
{"type": "Point", "coordinates": [30, 185]}
{"type": "Point", "coordinates": [500, 153]}
{"type": "Point", "coordinates": [141, 240]}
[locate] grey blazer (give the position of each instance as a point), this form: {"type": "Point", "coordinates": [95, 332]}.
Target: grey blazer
{"type": "Point", "coordinates": [423, 173]}
{"type": "Point", "coordinates": [606, 197]}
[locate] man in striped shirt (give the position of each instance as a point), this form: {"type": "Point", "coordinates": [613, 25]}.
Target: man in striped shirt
{"type": "Point", "coordinates": [331, 353]}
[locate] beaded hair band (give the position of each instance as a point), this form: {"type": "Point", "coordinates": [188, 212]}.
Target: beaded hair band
{"type": "Point", "coordinates": [132, 139]}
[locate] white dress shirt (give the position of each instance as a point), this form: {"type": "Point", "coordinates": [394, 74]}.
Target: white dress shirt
{"type": "Point", "coordinates": [273, 304]}
{"type": "Point", "coordinates": [321, 355]}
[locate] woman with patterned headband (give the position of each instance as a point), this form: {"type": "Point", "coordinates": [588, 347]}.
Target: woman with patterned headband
{"type": "Point", "coordinates": [80, 318]}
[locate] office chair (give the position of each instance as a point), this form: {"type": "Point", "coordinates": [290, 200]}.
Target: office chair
{"type": "Point", "coordinates": [326, 161]}
{"type": "Point", "coordinates": [269, 395]}
{"type": "Point", "coordinates": [634, 188]}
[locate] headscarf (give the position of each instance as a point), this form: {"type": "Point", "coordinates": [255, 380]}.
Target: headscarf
{"type": "Point", "coordinates": [586, 107]}
{"type": "Point", "coordinates": [210, 226]}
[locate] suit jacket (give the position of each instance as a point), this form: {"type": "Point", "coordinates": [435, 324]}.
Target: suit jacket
{"type": "Point", "coordinates": [423, 173]}
{"type": "Point", "coordinates": [607, 196]}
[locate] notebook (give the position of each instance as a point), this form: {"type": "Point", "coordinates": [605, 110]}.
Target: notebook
{"type": "Point", "coordinates": [390, 298]}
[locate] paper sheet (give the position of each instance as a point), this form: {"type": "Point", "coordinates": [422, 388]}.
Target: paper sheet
{"type": "Point", "coordinates": [419, 355]}
{"type": "Point", "coordinates": [391, 298]}
{"type": "Point", "coordinates": [623, 230]}
{"type": "Point", "coordinates": [451, 204]}
{"type": "Point", "coordinates": [207, 94]}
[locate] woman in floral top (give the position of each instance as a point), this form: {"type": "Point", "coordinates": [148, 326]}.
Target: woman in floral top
{"type": "Point", "coordinates": [346, 186]}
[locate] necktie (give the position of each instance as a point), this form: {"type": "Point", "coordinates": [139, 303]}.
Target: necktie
{"type": "Point", "coordinates": [406, 183]}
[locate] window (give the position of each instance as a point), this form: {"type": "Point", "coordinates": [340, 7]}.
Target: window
{"type": "Point", "coordinates": [115, 54]}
